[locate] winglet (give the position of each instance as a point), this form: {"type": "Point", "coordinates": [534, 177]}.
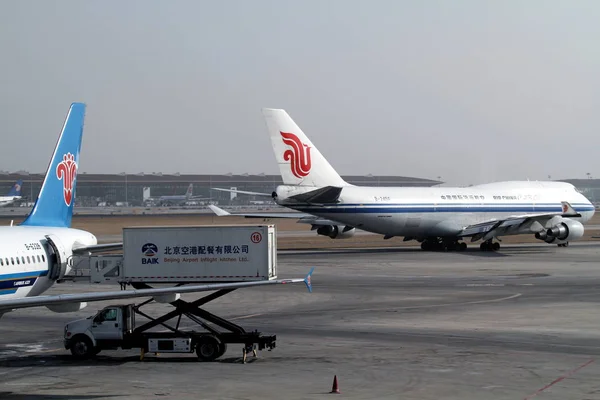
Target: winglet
{"type": "Point", "coordinates": [307, 280]}
{"type": "Point", "coordinates": [568, 211]}
{"type": "Point", "coordinates": [219, 211]}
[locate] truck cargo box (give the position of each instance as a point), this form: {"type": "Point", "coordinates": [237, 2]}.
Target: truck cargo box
{"type": "Point", "coordinates": [186, 254]}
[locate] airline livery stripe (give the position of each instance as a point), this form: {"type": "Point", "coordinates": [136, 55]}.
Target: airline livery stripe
{"type": "Point", "coordinates": [23, 275]}
{"type": "Point", "coordinates": [194, 276]}
{"type": "Point", "coordinates": [433, 209]}
{"type": "Point", "coordinates": [457, 203]}
{"type": "Point", "coordinates": [17, 283]}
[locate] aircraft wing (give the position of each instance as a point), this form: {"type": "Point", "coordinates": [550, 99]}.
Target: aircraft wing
{"type": "Point", "coordinates": [478, 231]}
{"type": "Point", "coordinates": [302, 218]}
{"type": "Point", "coordinates": [38, 301]}
{"type": "Point", "coordinates": [243, 192]}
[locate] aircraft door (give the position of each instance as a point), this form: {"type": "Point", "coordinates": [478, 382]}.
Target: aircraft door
{"type": "Point", "coordinates": [57, 258]}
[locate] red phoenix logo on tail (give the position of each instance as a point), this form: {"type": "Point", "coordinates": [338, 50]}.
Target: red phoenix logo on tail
{"type": "Point", "coordinates": [67, 171]}
{"type": "Point", "coordinates": [298, 156]}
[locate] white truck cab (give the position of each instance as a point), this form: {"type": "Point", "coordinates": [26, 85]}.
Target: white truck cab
{"type": "Point", "coordinates": [114, 327]}
{"type": "Point", "coordinates": [104, 330]}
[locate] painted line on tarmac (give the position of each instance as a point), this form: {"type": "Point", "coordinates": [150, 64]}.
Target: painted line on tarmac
{"type": "Point", "coordinates": [514, 296]}
{"type": "Point", "coordinates": [560, 378]}
{"type": "Point", "coordinates": [246, 316]}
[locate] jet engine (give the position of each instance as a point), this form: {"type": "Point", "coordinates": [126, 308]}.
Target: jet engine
{"type": "Point", "coordinates": [336, 231]}
{"type": "Point", "coordinates": [564, 231]}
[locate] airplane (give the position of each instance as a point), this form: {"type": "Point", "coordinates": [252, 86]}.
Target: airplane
{"type": "Point", "coordinates": [13, 195]}
{"type": "Point", "coordinates": [39, 251]}
{"type": "Point", "coordinates": [173, 199]}
{"type": "Point", "coordinates": [440, 218]}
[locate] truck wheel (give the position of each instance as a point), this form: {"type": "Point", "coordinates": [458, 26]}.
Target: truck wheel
{"type": "Point", "coordinates": [222, 349]}
{"type": "Point", "coordinates": [82, 347]}
{"type": "Point", "coordinates": [208, 348]}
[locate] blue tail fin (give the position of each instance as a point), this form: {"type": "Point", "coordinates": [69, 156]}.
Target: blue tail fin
{"type": "Point", "coordinates": [16, 189]}
{"type": "Point", "coordinates": [54, 205]}
{"type": "Point", "coordinates": [308, 280]}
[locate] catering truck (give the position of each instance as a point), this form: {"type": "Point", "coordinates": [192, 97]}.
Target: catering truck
{"type": "Point", "coordinates": [190, 254]}
{"type": "Point", "coordinates": [177, 255]}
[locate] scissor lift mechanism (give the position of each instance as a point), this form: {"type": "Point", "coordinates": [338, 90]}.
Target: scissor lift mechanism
{"type": "Point", "coordinates": [252, 341]}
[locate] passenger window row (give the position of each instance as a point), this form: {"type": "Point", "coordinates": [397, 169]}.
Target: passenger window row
{"type": "Point", "coordinates": [462, 197]}
{"type": "Point", "coordinates": [480, 197]}
{"type": "Point", "coordinates": [22, 260]}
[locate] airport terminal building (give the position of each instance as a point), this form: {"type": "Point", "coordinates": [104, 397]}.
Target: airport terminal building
{"type": "Point", "coordinates": [111, 190]}
{"type": "Point", "coordinates": [121, 189]}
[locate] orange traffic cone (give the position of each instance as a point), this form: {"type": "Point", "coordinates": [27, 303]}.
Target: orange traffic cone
{"type": "Point", "coordinates": [335, 389]}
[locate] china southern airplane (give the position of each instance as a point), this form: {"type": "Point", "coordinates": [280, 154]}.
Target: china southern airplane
{"type": "Point", "coordinates": [13, 195]}
{"type": "Point", "coordinates": [35, 254]}
{"type": "Point", "coordinates": [437, 217]}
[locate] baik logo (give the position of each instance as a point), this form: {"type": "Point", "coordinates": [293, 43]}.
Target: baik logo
{"type": "Point", "coordinates": [149, 250]}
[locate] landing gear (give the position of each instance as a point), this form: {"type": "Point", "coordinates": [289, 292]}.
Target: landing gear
{"type": "Point", "coordinates": [566, 244]}
{"type": "Point", "coordinates": [437, 244]}
{"type": "Point", "coordinates": [489, 246]}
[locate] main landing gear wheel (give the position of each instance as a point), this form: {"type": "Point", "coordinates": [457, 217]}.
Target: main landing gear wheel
{"type": "Point", "coordinates": [563, 244]}
{"type": "Point", "coordinates": [489, 246]}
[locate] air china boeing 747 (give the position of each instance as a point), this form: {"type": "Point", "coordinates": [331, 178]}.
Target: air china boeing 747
{"type": "Point", "coordinates": [437, 217]}
{"type": "Point", "coordinates": [35, 254]}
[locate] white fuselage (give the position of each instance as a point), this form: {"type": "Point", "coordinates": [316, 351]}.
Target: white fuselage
{"type": "Point", "coordinates": [440, 211]}
{"type": "Point", "coordinates": [26, 257]}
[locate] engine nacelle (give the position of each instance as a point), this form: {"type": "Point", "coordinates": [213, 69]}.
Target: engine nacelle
{"type": "Point", "coordinates": [336, 231]}
{"type": "Point", "coordinates": [564, 231]}
{"type": "Point", "coordinates": [66, 307]}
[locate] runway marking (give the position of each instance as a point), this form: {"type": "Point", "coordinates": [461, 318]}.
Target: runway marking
{"type": "Point", "coordinates": [12, 371]}
{"type": "Point", "coordinates": [246, 316]}
{"type": "Point", "coordinates": [560, 378]}
{"type": "Point", "coordinates": [49, 350]}
{"type": "Point", "coordinates": [514, 296]}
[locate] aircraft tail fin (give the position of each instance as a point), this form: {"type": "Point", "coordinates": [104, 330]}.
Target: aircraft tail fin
{"type": "Point", "coordinates": [16, 189]}
{"type": "Point", "coordinates": [54, 204]}
{"type": "Point", "coordinates": [300, 162]}
{"type": "Point", "coordinates": [189, 191]}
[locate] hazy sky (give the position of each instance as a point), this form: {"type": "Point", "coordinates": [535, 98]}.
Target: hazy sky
{"type": "Point", "coordinates": [472, 91]}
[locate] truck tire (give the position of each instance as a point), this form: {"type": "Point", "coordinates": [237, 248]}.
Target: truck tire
{"type": "Point", "coordinates": [222, 349]}
{"type": "Point", "coordinates": [82, 347]}
{"type": "Point", "coordinates": [208, 348]}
